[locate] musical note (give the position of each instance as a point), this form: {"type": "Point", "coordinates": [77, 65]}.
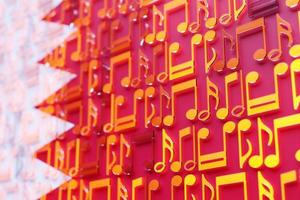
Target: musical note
{"type": "Point", "coordinates": [78, 54]}
{"type": "Point", "coordinates": [177, 89]}
{"type": "Point", "coordinates": [157, 120]}
{"type": "Point", "coordinates": [137, 183]}
{"type": "Point", "coordinates": [72, 185]}
{"type": "Point", "coordinates": [247, 29]}
{"type": "Point", "coordinates": [244, 126]}
{"type": "Point", "coordinates": [59, 157]}
{"type": "Point", "coordinates": [110, 142]}
{"type": "Point", "coordinates": [84, 191]}
{"type": "Point", "coordinates": [169, 8]}
{"type": "Point", "coordinates": [158, 50]}
{"type": "Point", "coordinates": [92, 119]}
{"type": "Point", "coordinates": [167, 146]}
{"type": "Point", "coordinates": [125, 152]}
{"type": "Point", "coordinates": [195, 26]}
{"type": "Point", "coordinates": [295, 69]}
{"type": "Point", "coordinates": [283, 29]}
{"type": "Point", "coordinates": [207, 184]}
{"type": "Point", "coordinates": [220, 64]}
{"type": "Point", "coordinates": [85, 13]}
{"type": "Point", "coordinates": [266, 103]}
{"type": "Point", "coordinates": [256, 161]}
{"type": "Point", "coordinates": [211, 21]}
{"type": "Point", "coordinates": [212, 91]}
{"type": "Point", "coordinates": [265, 188]}
{"type": "Point", "coordinates": [149, 94]}
{"type": "Point", "coordinates": [229, 180]}
{"type": "Point", "coordinates": [287, 178]}
{"type": "Point", "coordinates": [189, 165]}
{"type": "Point", "coordinates": [216, 159]}
{"type": "Point", "coordinates": [189, 181]}
{"type": "Point", "coordinates": [209, 38]}
{"type": "Point", "coordinates": [273, 160]}
{"type": "Point", "coordinates": [99, 185]}
{"type": "Point", "coordinates": [153, 186]}
{"type": "Point", "coordinates": [115, 61]}
{"type": "Point", "coordinates": [122, 192]}
{"type": "Point", "coordinates": [187, 68]}
{"type": "Point", "coordinates": [231, 79]}
{"type": "Point", "coordinates": [176, 181]}
{"type": "Point", "coordinates": [127, 122]}
{"type": "Point", "coordinates": [143, 62]}
{"type": "Point", "coordinates": [157, 14]}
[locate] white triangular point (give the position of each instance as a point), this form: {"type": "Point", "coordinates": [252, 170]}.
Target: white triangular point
{"type": "Point", "coordinates": [24, 83]}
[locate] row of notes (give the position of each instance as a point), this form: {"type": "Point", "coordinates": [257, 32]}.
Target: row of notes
{"type": "Point", "coordinates": [181, 187]}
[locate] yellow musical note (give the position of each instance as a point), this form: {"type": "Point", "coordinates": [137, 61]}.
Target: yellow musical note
{"type": "Point", "coordinates": [287, 178]}
{"type": "Point", "coordinates": [177, 89]}
{"type": "Point", "coordinates": [283, 29]}
{"type": "Point", "coordinates": [157, 120]}
{"type": "Point", "coordinates": [256, 161]}
{"type": "Point", "coordinates": [244, 126]}
{"type": "Point", "coordinates": [209, 38]}
{"type": "Point", "coordinates": [212, 91]}
{"type": "Point", "coordinates": [229, 180]}
{"type": "Point", "coordinates": [231, 79]}
{"type": "Point", "coordinates": [217, 159]}
{"type": "Point", "coordinates": [207, 184]}
{"type": "Point", "coordinates": [115, 61]}
{"type": "Point", "coordinates": [100, 184]}
{"type": "Point", "coordinates": [149, 94]}
{"type": "Point", "coordinates": [244, 30]}
{"type": "Point", "coordinates": [266, 103]}
{"type": "Point", "coordinates": [265, 188]}
{"type": "Point", "coordinates": [187, 68]}
{"type": "Point", "coordinates": [189, 181]}
{"type": "Point", "coordinates": [125, 151]}
{"type": "Point", "coordinates": [156, 13]}
{"type": "Point", "coordinates": [189, 165]}
{"type": "Point", "coordinates": [167, 146]}
{"type": "Point", "coordinates": [290, 121]}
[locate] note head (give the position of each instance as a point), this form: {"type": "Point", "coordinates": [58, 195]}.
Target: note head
{"type": "Point", "coordinates": [275, 55]}
{"type": "Point", "coordinates": [190, 179]}
{"type": "Point", "coordinates": [297, 155]}
{"type": "Point", "coordinates": [107, 88]}
{"type": "Point", "coordinates": [256, 161]}
{"type": "Point", "coordinates": [194, 27]}
{"type": "Point", "coordinates": [156, 121]}
{"type": "Point", "coordinates": [190, 165]}
{"type": "Point", "coordinates": [111, 13]}
{"type": "Point", "coordinates": [108, 128]}
{"type": "Point", "coordinates": [211, 23]}
{"type": "Point", "coordinates": [292, 4]}
{"type": "Point", "coordinates": [85, 131]}
{"type": "Point", "coordinates": [176, 181]}
{"type": "Point", "coordinates": [191, 114]}
{"type": "Point", "coordinates": [117, 170]}
{"type": "Point", "coordinates": [159, 167]}
{"type": "Point", "coordinates": [225, 19]}
{"type": "Point", "coordinates": [150, 38]}
{"type": "Point", "coordinates": [238, 111]}
{"type": "Point", "coordinates": [162, 77]}
{"type": "Point", "coordinates": [102, 13]}
{"type": "Point", "coordinates": [295, 51]}
{"type": "Point", "coordinates": [182, 28]}
{"type": "Point", "coordinates": [272, 161]}
{"type": "Point", "coordinates": [123, 8]}
{"type": "Point", "coordinates": [136, 82]}
{"type": "Point", "coordinates": [161, 36]}
{"type": "Point", "coordinates": [154, 185]}
{"type": "Point", "coordinates": [150, 79]}
{"type": "Point", "coordinates": [125, 82]}
{"type": "Point", "coordinates": [232, 63]}
{"type": "Point", "coordinates": [176, 166]}
{"type": "Point", "coordinates": [222, 113]}
{"type": "Point", "coordinates": [260, 55]}
{"type": "Point", "coordinates": [203, 133]}
{"type": "Point", "coordinates": [219, 65]}
{"type": "Point", "coordinates": [169, 120]}
{"type": "Point", "coordinates": [204, 115]}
